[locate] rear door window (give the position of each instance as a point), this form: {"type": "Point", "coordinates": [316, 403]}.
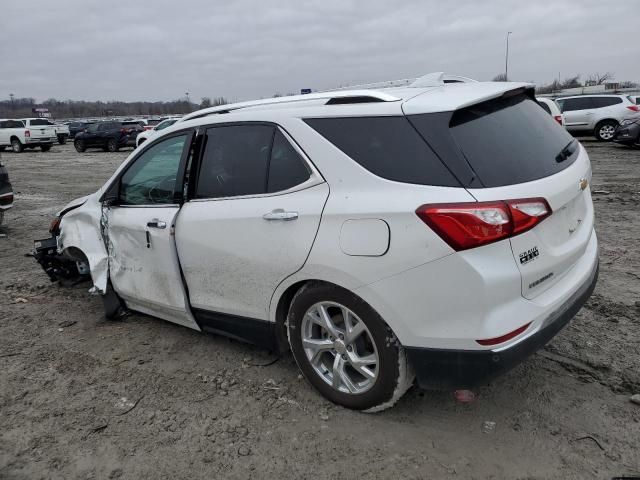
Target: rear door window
{"type": "Point", "coordinates": [602, 102]}
{"type": "Point", "coordinates": [388, 147]}
{"type": "Point", "coordinates": [573, 104]}
{"type": "Point", "coordinates": [508, 140]}
{"type": "Point", "coordinates": [286, 168]}
{"type": "Point", "coordinates": [235, 161]}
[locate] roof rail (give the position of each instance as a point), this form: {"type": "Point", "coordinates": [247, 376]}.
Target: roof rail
{"type": "Point", "coordinates": [428, 80]}
{"type": "Point", "coordinates": [333, 98]}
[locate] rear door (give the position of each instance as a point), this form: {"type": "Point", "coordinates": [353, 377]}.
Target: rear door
{"type": "Point", "coordinates": [578, 112]}
{"type": "Point", "coordinates": [143, 263]}
{"type": "Point", "coordinates": [253, 219]}
{"type": "Point", "coordinates": [517, 153]}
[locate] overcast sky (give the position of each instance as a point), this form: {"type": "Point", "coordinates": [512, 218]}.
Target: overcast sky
{"type": "Point", "coordinates": [244, 49]}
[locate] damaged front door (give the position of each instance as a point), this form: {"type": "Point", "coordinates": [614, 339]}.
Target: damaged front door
{"type": "Point", "coordinates": [143, 262]}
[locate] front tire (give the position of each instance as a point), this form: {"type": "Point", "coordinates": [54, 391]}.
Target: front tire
{"type": "Point", "coordinates": [17, 146]}
{"type": "Point", "coordinates": [62, 139]}
{"type": "Point", "coordinates": [605, 130]}
{"type": "Point", "coordinates": [345, 349]}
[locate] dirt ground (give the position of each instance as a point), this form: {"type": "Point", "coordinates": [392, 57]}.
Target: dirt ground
{"type": "Point", "coordinates": [82, 397]}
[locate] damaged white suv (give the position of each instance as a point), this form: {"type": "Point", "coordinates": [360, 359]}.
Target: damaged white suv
{"type": "Point", "coordinates": [442, 231]}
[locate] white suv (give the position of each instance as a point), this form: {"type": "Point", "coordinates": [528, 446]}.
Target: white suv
{"type": "Point", "coordinates": [597, 115]}
{"type": "Point", "coordinates": [443, 231]}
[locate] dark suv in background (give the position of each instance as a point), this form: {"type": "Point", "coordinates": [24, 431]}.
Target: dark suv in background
{"type": "Point", "coordinates": [77, 127]}
{"type": "Point", "coordinates": [110, 136]}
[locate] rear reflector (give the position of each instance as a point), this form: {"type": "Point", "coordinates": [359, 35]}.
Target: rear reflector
{"type": "Point", "coordinates": [473, 224]}
{"type": "Point", "coordinates": [503, 338]}
{"type": "Point", "coordinates": [635, 108]}
{"type": "Point", "coordinates": [6, 199]}
{"type": "Point", "coordinates": [27, 133]}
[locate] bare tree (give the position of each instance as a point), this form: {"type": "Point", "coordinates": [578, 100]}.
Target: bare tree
{"type": "Point", "coordinates": [502, 77]}
{"type": "Point", "coordinates": [205, 102]}
{"type": "Point", "coordinates": [600, 78]}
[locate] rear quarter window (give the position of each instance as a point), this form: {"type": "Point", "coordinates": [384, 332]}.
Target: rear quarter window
{"type": "Point", "coordinates": [602, 102]}
{"type": "Point", "coordinates": [388, 147]}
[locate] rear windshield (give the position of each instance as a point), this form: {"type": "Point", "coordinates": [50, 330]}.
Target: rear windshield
{"type": "Point", "coordinates": [131, 123]}
{"type": "Point", "coordinates": [386, 146]}
{"type": "Point", "coordinates": [39, 122]}
{"type": "Point", "coordinates": [504, 141]}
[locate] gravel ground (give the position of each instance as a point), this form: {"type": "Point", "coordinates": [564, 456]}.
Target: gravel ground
{"type": "Point", "coordinates": [81, 397]}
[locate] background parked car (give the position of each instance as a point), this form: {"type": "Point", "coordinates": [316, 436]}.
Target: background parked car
{"type": "Point", "coordinates": [6, 192]}
{"type": "Point", "coordinates": [62, 131]}
{"type": "Point", "coordinates": [149, 133]}
{"type": "Point", "coordinates": [26, 133]}
{"type": "Point", "coordinates": [110, 136]}
{"type": "Point", "coordinates": [551, 108]}
{"type": "Point", "coordinates": [628, 132]}
{"type": "Point", "coordinates": [77, 127]}
{"type": "Point", "coordinates": [597, 115]}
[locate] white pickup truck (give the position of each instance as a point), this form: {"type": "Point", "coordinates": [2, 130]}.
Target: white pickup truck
{"type": "Point", "coordinates": [62, 131]}
{"type": "Point", "coordinates": [26, 133]}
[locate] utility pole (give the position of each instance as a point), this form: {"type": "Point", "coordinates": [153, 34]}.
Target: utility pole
{"type": "Point", "coordinates": [11, 95]}
{"type": "Point", "coordinates": [506, 60]}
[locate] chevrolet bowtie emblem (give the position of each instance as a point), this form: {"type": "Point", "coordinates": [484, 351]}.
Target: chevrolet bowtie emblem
{"type": "Point", "coordinates": [584, 183]}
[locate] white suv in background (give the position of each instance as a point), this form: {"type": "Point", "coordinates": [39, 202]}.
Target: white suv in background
{"type": "Point", "coordinates": [153, 131]}
{"type": "Point", "coordinates": [597, 115]}
{"type": "Point", "coordinates": [440, 230]}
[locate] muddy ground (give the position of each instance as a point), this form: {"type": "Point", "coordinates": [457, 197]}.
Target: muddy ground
{"type": "Point", "coordinates": [82, 397]}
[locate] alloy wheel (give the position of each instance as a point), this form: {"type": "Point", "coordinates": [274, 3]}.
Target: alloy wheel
{"type": "Point", "coordinates": [340, 347]}
{"type": "Point", "coordinates": [607, 132]}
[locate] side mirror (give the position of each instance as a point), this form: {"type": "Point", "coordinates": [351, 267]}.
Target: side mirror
{"type": "Point", "coordinates": [110, 197]}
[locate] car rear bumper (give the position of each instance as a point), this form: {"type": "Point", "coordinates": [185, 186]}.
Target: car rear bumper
{"type": "Point", "coordinates": [455, 369]}
{"type": "Point", "coordinates": [40, 141]}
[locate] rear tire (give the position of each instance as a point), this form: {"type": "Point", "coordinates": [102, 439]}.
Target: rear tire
{"type": "Point", "coordinates": [17, 146]}
{"type": "Point", "coordinates": [112, 145]}
{"type": "Point", "coordinates": [62, 139]}
{"type": "Point", "coordinates": [80, 146]}
{"type": "Point", "coordinates": [605, 130]}
{"type": "Point", "coordinates": [45, 148]}
{"type": "Point", "coordinates": [367, 370]}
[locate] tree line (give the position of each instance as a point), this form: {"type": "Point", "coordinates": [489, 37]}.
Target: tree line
{"type": "Point", "coordinates": [60, 109]}
{"type": "Point", "coordinates": [574, 82]}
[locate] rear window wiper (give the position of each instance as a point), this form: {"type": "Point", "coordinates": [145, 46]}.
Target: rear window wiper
{"type": "Point", "coordinates": [567, 151]}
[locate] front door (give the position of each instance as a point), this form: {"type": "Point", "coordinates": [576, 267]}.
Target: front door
{"type": "Point", "coordinates": [578, 112]}
{"type": "Point", "coordinates": [143, 263]}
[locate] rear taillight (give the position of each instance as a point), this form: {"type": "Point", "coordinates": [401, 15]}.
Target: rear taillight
{"type": "Point", "coordinates": [558, 118]}
{"type": "Point", "coordinates": [473, 224]}
{"type": "Point", "coordinates": [635, 108]}
{"type": "Point", "coordinates": [27, 133]}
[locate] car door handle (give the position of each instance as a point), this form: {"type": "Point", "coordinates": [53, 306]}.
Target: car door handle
{"type": "Point", "coordinates": [155, 223]}
{"type": "Point", "coordinates": [280, 214]}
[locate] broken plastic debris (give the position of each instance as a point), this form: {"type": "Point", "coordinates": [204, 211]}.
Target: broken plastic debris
{"type": "Point", "coordinates": [464, 396]}
{"type": "Point", "coordinates": [488, 427]}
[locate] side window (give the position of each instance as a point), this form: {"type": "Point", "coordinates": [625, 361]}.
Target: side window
{"type": "Point", "coordinates": [286, 168]}
{"type": "Point", "coordinates": [389, 147]}
{"type": "Point", "coordinates": [151, 179]}
{"type": "Point", "coordinates": [93, 128]}
{"type": "Point", "coordinates": [601, 102]}
{"type": "Point", "coordinates": [573, 104]}
{"type": "Point", "coordinates": [235, 161]}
